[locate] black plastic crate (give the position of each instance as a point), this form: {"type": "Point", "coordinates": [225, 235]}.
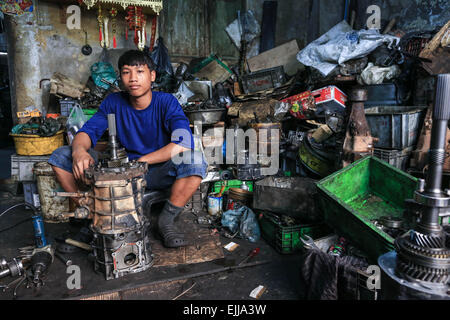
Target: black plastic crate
{"type": "Point", "coordinates": [286, 239]}
{"type": "Point", "coordinates": [263, 80]}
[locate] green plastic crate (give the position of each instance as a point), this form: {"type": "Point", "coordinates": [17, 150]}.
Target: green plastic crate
{"type": "Point", "coordinates": [353, 197]}
{"type": "Point", "coordinates": [89, 112]}
{"type": "Point", "coordinates": [286, 239]}
{"type": "Point", "coordinates": [212, 57]}
{"type": "Point", "coordinates": [231, 184]}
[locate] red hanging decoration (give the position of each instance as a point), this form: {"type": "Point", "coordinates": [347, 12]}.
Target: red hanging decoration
{"type": "Point", "coordinates": [136, 21]}
{"type": "Point", "coordinates": [100, 24]}
{"type": "Point", "coordinates": [113, 13]}
{"type": "Point", "coordinates": [152, 39]}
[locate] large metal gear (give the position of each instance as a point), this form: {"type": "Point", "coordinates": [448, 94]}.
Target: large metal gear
{"type": "Point", "coordinates": [415, 262]}
{"type": "Point", "coordinates": [422, 255]}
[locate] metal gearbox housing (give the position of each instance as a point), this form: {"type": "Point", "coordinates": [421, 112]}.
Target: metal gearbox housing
{"type": "Point", "coordinates": [121, 241]}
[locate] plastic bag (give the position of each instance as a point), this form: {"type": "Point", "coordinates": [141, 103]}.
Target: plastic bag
{"type": "Point", "coordinates": [244, 220]}
{"type": "Point", "coordinates": [245, 26]}
{"type": "Point", "coordinates": [281, 108]}
{"type": "Point", "coordinates": [340, 44]}
{"type": "Point", "coordinates": [161, 58]}
{"type": "Point", "coordinates": [103, 70]}
{"type": "Point", "coordinates": [75, 122]}
{"type": "Point", "coordinates": [376, 75]}
{"type": "Point", "coordinates": [183, 94]}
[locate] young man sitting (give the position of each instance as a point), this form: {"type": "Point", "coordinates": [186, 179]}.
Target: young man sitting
{"type": "Point", "coordinates": [148, 126]}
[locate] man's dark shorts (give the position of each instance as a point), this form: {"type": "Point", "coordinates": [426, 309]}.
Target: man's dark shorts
{"type": "Point", "coordinates": [159, 176]}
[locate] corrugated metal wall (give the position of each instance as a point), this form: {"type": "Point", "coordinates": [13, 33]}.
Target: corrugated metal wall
{"type": "Point", "coordinates": [196, 28]}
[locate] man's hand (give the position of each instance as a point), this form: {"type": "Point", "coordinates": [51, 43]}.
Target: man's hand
{"type": "Point", "coordinates": [81, 161]}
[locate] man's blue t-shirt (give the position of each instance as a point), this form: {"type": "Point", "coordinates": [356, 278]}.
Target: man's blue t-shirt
{"type": "Point", "coordinates": [142, 131]}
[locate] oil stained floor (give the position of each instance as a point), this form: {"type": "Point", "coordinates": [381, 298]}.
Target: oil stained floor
{"type": "Point", "coordinates": [202, 271]}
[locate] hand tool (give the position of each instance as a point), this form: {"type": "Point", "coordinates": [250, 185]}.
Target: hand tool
{"type": "Point", "coordinates": [39, 233]}
{"type": "Point", "coordinates": [40, 262]}
{"type": "Point", "coordinates": [252, 254]}
{"type": "Point", "coordinates": [79, 244]}
{"type": "Point", "coordinates": [308, 242]}
{"type": "Point", "coordinates": [63, 259]}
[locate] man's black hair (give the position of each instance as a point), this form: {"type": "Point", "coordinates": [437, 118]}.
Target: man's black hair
{"type": "Point", "coordinates": [136, 58]}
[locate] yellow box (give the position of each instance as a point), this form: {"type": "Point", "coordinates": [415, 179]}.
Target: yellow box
{"type": "Point", "coordinates": [34, 145]}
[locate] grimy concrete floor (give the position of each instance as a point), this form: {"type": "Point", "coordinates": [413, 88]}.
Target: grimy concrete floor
{"type": "Point", "coordinates": [279, 274]}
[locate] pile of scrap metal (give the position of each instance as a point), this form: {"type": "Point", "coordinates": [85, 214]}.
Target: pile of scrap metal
{"type": "Point", "coordinates": [101, 82]}
{"type": "Point", "coordinates": [38, 126]}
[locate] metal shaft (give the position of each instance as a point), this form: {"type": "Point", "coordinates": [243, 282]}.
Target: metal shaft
{"type": "Point", "coordinates": [436, 157]}
{"type": "Point", "coordinates": [112, 135]}
{"type": "Point", "coordinates": [429, 223]}
{"type": "Point", "coordinates": [4, 273]}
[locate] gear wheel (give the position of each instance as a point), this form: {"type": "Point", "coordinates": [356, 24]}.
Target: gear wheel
{"type": "Point", "coordinates": [413, 271]}
{"type": "Point", "coordinates": [427, 241]}
{"type": "Point", "coordinates": [422, 263]}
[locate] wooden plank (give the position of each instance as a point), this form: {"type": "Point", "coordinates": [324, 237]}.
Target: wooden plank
{"type": "Point", "coordinates": [202, 246]}
{"type": "Point", "coordinates": [156, 291]}
{"type": "Point", "coordinates": [284, 55]}
{"type": "Point", "coordinates": [167, 256]}
{"type": "Point", "coordinates": [429, 49]}
{"type": "Point", "coordinates": [204, 249]}
{"type": "Point", "coordinates": [105, 296]}
{"type": "Point", "coordinates": [440, 61]}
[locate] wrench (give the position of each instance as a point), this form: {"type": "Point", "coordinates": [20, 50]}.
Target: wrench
{"type": "Point", "coordinates": [309, 242]}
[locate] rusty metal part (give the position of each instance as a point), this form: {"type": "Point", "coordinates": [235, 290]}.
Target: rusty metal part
{"type": "Point", "coordinates": [117, 194]}
{"type": "Point", "coordinates": [358, 95]}
{"type": "Point", "coordinates": [115, 204]}
{"type": "Point", "coordinates": [419, 157]}
{"type": "Point", "coordinates": [124, 172]}
{"type": "Point", "coordinates": [358, 141]}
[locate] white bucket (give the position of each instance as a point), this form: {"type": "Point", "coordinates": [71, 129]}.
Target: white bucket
{"type": "Point", "coordinates": [215, 204]}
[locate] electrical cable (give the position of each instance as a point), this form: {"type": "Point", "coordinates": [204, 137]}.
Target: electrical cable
{"type": "Point", "coordinates": [19, 223]}
{"type": "Point", "coordinates": [35, 212]}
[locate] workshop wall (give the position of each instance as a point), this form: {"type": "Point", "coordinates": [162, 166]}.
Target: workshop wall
{"type": "Point", "coordinates": [304, 20]}
{"type": "Point", "coordinates": [196, 28]}
{"type": "Point", "coordinates": [415, 15]}
{"type": "Point", "coordinates": [40, 44]}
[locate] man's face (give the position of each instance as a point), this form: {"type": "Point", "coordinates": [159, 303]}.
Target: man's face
{"type": "Point", "coordinates": [137, 79]}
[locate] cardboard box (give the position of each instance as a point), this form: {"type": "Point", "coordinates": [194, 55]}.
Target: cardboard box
{"type": "Point", "coordinates": [284, 55]}
{"type": "Point", "coordinates": [329, 98]}
{"type": "Point", "coordinates": [302, 105]}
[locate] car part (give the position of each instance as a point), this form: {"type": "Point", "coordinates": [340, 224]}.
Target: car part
{"type": "Point", "coordinates": [358, 140]}
{"type": "Point", "coordinates": [12, 268]}
{"type": "Point", "coordinates": [422, 257]}
{"type": "Point", "coordinates": [120, 229]}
